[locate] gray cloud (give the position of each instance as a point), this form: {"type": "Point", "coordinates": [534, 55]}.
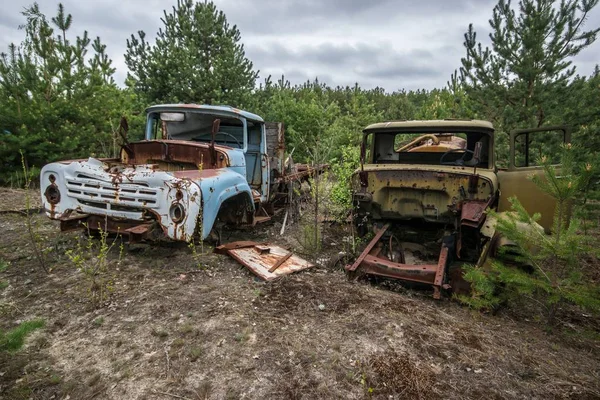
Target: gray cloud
{"type": "Point", "coordinates": [392, 44]}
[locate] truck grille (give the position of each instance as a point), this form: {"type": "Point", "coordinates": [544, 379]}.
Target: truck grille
{"type": "Point", "coordinates": [105, 194]}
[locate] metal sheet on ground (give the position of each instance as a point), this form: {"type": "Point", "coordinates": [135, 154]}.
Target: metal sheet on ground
{"type": "Point", "coordinates": [260, 262]}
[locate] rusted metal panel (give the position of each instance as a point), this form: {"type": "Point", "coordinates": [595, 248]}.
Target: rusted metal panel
{"type": "Point", "coordinates": [370, 263]}
{"type": "Point", "coordinates": [368, 249]}
{"type": "Point", "coordinates": [170, 154]}
{"type": "Point", "coordinates": [473, 213]}
{"type": "Point", "coordinates": [275, 136]}
{"type": "Point", "coordinates": [267, 261]}
{"type": "Point", "coordinates": [414, 192]}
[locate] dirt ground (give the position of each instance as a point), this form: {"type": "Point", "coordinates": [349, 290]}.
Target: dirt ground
{"type": "Point", "coordinates": [177, 326]}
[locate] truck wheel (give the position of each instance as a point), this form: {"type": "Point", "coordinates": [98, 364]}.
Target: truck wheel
{"type": "Point", "coordinates": [214, 237]}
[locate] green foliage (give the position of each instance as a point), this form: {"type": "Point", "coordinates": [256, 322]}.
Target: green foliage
{"type": "Point", "coordinates": [521, 80]}
{"type": "Point", "coordinates": [92, 259]}
{"type": "Point", "coordinates": [197, 58]}
{"type": "Point", "coordinates": [484, 292]}
{"type": "Point", "coordinates": [14, 339]}
{"type": "Point", "coordinates": [56, 101]}
{"type": "Point", "coordinates": [343, 169]}
{"type": "Point", "coordinates": [545, 269]}
{"type": "Point", "coordinates": [4, 265]}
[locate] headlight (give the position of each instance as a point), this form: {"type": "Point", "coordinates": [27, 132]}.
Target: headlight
{"type": "Point", "coordinates": [52, 194]}
{"type": "Point", "coordinates": [177, 213]}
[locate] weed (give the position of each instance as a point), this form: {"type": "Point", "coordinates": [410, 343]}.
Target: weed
{"type": "Point", "coordinates": [93, 261]}
{"type": "Point", "coordinates": [159, 333]}
{"type": "Point", "coordinates": [94, 379]}
{"type": "Point", "coordinates": [204, 390]}
{"type": "Point", "coordinates": [98, 321]}
{"type": "Point", "coordinates": [32, 227]}
{"type": "Point", "coordinates": [232, 393]}
{"type": "Point", "coordinates": [3, 285]}
{"type": "Point", "coordinates": [54, 379]}
{"type": "Point", "coordinates": [4, 265]}
{"type": "Point", "coordinates": [390, 374]}
{"type": "Point", "coordinates": [197, 256]}
{"type": "Point", "coordinates": [178, 343]}
{"type": "Point", "coordinates": [243, 336]}
{"type": "Point", "coordinates": [194, 353]}
{"type": "Point", "coordinates": [186, 328]}
{"type": "Point", "coordinates": [14, 339]}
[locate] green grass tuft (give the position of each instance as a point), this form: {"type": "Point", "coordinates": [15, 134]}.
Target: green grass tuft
{"type": "Point", "coordinates": [13, 339]}
{"type": "Point", "coordinates": [4, 265]}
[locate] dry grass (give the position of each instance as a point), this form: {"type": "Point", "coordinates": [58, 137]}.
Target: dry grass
{"type": "Point", "coordinates": [390, 374]}
{"type": "Point", "coordinates": [218, 333]}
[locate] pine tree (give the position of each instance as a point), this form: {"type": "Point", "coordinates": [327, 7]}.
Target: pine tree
{"type": "Point", "coordinates": [545, 269]}
{"type": "Point", "coordinates": [57, 102]}
{"type": "Point", "coordinates": [197, 58]}
{"type": "Point", "coordinates": [522, 80]}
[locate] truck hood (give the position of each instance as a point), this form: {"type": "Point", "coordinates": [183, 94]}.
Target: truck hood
{"type": "Point", "coordinates": [137, 193]}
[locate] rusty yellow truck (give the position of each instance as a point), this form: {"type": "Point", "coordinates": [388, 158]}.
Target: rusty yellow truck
{"type": "Point", "coordinates": [423, 188]}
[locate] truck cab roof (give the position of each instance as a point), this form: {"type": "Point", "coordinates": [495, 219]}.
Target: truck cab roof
{"type": "Point", "coordinates": [221, 109]}
{"type": "Point", "coordinates": [442, 125]}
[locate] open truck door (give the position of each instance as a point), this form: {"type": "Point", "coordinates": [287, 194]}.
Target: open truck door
{"type": "Point", "coordinates": [527, 146]}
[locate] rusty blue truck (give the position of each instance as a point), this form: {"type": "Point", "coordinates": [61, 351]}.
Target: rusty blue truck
{"type": "Point", "coordinates": [198, 167]}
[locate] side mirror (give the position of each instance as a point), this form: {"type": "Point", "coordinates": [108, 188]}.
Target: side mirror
{"type": "Point", "coordinates": [477, 152]}
{"type": "Point", "coordinates": [123, 128]}
{"type": "Point", "coordinates": [215, 128]}
{"type": "Point", "coordinates": [476, 155]}
{"type": "Point", "coordinates": [213, 133]}
{"type": "Point", "coordinates": [363, 152]}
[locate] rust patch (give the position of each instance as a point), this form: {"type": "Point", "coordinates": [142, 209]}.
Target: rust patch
{"type": "Point", "coordinates": [197, 174]}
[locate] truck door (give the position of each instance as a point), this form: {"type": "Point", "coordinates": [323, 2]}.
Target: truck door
{"type": "Point", "coordinates": [526, 148]}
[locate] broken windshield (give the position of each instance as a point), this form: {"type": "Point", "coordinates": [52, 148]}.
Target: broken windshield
{"type": "Point", "coordinates": [428, 148]}
{"type": "Point", "coordinates": [195, 126]}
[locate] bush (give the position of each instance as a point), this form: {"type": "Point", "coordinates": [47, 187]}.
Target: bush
{"type": "Point", "coordinates": [547, 270]}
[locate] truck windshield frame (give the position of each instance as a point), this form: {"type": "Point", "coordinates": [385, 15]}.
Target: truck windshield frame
{"type": "Point", "coordinates": [421, 153]}
{"type": "Point", "coordinates": [196, 127]}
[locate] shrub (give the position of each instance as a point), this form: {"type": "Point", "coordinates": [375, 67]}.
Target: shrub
{"type": "Point", "coordinates": [93, 260]}
{"type": "Point", "coordinates": [547, 269]}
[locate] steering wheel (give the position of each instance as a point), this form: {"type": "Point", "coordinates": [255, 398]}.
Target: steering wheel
{"type": "Point", "coordinates": [230, 135]}
{"type": "Point", "coordinates": [461, 161]}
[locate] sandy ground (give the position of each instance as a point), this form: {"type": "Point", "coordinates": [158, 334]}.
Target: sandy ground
{"type": "Point", "coordinates": [179, 326]}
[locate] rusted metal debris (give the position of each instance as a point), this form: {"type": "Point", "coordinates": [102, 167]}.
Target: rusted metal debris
{"type": "Point", "coordinates": [267, 261]}
{"type": "Point", "coordinates": [372, 262]}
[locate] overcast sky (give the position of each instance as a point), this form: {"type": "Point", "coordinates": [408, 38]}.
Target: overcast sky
{"type": "Point", "coordinates": [393, 44]}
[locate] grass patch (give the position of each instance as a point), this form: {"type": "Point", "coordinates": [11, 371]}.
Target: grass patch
{"type": "Point", "coordinates": [4, 265]}
{"type": "Point", "coordinates": [159, 333]}
{"type": "Point", "coordinates": [14, 339]}
{"type": "Point", "coordinates": [243, 336]}
{"type": "Point", "coordinates": [186, 329]}
{"type": "Point", "coordinates": [195, 352]}
{"type": "Point", "coordinates": [3, 285]}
